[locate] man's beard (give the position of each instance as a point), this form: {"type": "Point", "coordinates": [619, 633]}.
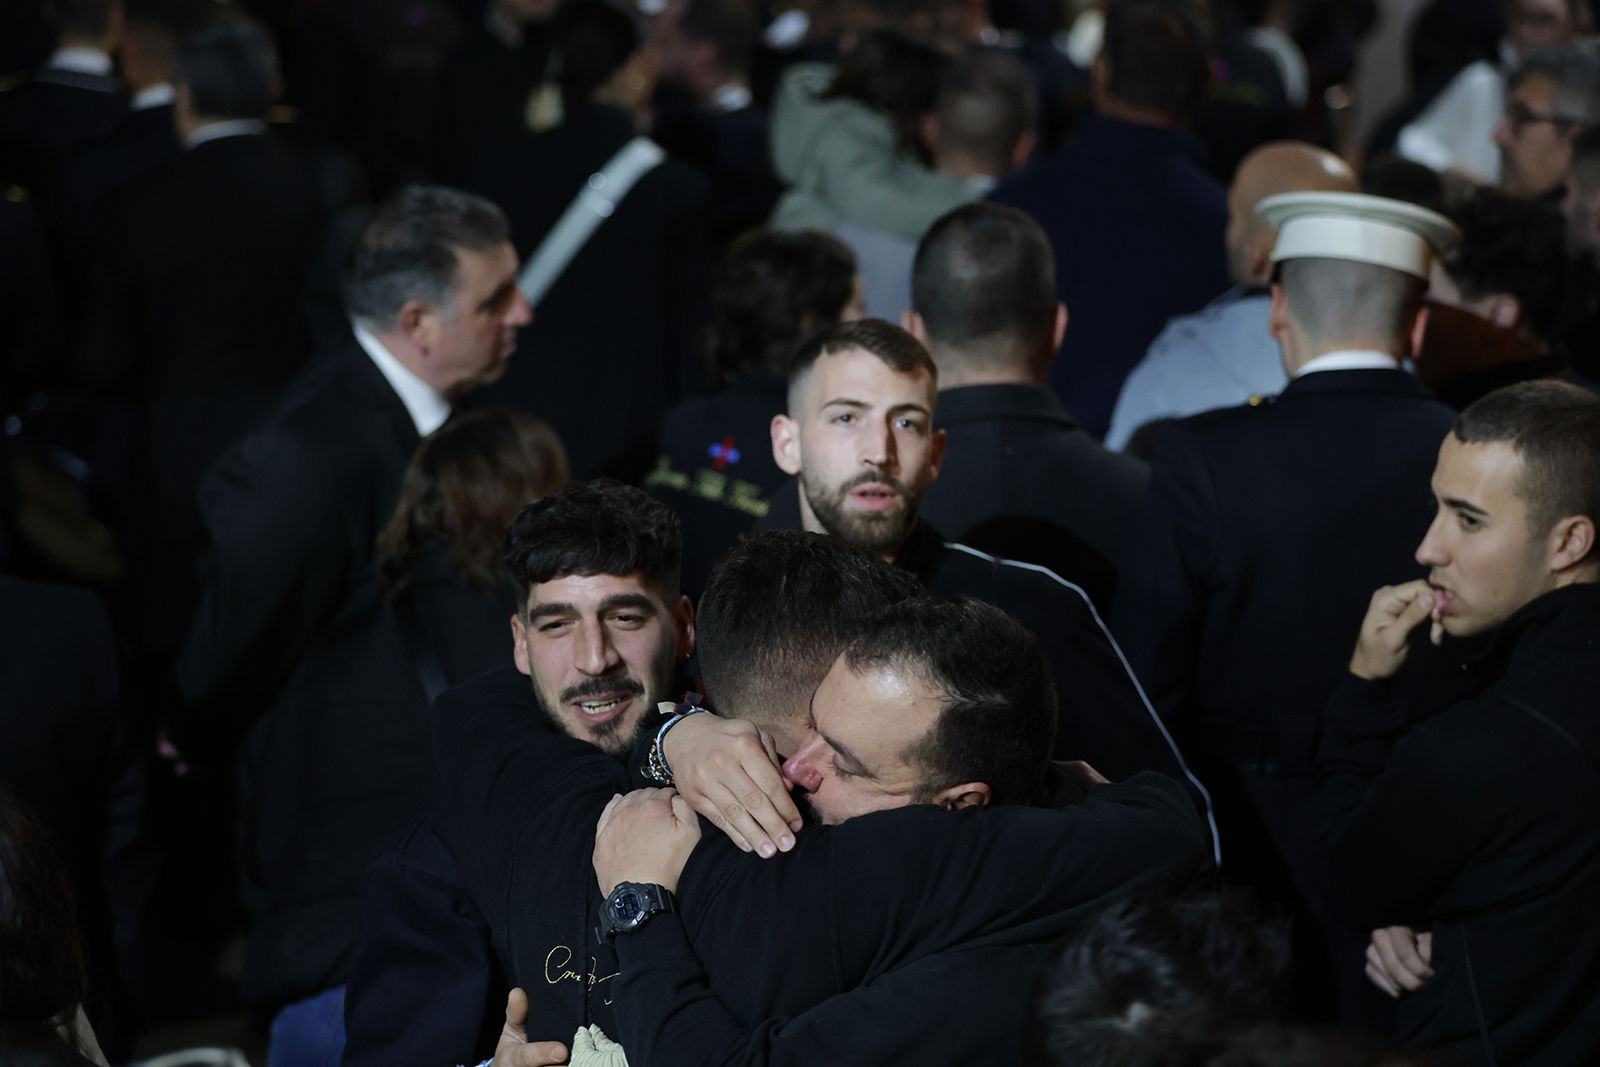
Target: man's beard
{"type": "Point", "coordinates": [616, 736]}
{"type": "Point", "coordinates": [878, 531]}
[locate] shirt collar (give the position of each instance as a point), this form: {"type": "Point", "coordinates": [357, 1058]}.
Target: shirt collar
{"type": "Point", "coordinates": [730, 97]}
{"type": "Point", "coordinates": [215, 131]}
{"type": "Point", "coordinates": [426, 406]}
{"type": "Point", "coordinates": [81, 61]}
{"type": "Point", "coordinates": [1349, 359]}
{"type": "Point", "coordinates": [153, 96]}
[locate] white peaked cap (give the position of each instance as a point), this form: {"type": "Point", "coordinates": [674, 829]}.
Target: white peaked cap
{"type": "Point", "coordinates": [1367, 229]}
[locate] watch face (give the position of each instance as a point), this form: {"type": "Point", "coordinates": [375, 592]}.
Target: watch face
{"type": "Point", "coordinates": [627, 908]}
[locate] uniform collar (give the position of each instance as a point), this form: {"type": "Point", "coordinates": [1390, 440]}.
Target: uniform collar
{"type": "Point", "coordinates": [216, 131]}
{"type": "Point", "coordinates": [1348, 359]}
{"type": "Point", "coordinates": [150, 97]}
{"type": "Point", "coordinates": [81, 61]}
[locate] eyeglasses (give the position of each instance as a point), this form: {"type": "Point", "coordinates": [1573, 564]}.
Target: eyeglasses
{"type": "Point", "coordinates": [1519, 115]}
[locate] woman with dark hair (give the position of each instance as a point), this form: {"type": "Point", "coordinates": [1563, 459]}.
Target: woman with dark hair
{"type": "Point", "coordinates": [713, 453]}
{"type": "Point", "coordinates": [43, 977]}
{"type": "Point", "coordinates": [440, 554]}
{"type": "Point", "coordinates": [848, 140]}
{"type": "Point", "coordinates": [623, 278]}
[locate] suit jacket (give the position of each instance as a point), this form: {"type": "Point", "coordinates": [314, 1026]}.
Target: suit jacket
{"type": "Point", "coordinates": [292, 647]}
{"type": "Point", "coordinates": [1137, 228]}
{"type": "Point", "coordinates": [1269, 528]}
{"type": "Point", "coordinates": [49, 115]}
{"type": "Point", "coordinates": [731, 149]}
{"type": "Point", "coordinates": [1022, 480]}
{"type": "Point", "coordinates": [195, 313]}
{"type": "Point", "coordinates": [617, 331]}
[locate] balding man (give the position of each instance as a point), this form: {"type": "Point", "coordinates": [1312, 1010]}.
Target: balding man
{"type": "Point", "coordinates": [1224, 354]}
{"type": "Point", "coordinates": [1268, 523]}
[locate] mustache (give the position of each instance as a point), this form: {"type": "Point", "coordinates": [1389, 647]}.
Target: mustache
{"type": "Point", "coordinates": [599, 687]}
{"type": "Point", "coordinates": [868, 477]}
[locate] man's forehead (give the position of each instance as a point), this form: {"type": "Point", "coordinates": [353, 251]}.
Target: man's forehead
{"type": "Point", "coordinates": [1484, 473]}
{"type": "Point", "coordinates": [857, 374]}
{"type": "Point", "coordinates": [590, 590]}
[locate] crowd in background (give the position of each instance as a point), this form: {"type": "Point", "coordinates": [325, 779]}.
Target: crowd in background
{"type": "Point", "coordinates": [305, 304]}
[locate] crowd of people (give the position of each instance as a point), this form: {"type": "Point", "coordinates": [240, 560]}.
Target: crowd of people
{"type": "Point", "coordinates": [698, 532]}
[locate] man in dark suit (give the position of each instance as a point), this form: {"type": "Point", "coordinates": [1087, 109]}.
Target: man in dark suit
{"type": "Point", "coordinates": [193, 310]}
{"type": "Point", "coordinates": [143, 138]}
{"type": "Point", "coordinates": [73, 99]}
{"type": "Point", "coordinates": [1129, 192]}
{"type": "Point", "coordinates": [1270, 524]}
{"type": "Point", "coordinates": [291, 646]}
{"type": "Point", "coordinates": [1021, 479]}
{"type": "Point", "coordinates": [705, 114]}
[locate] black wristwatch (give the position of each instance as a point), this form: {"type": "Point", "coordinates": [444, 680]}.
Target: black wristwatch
{"type": "Point", "coordinates": [630, 906]}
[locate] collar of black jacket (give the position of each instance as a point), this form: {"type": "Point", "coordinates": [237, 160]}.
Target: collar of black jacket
{"type": "Point", "coordinates": [1543, 626]}
{"type": "Point", "coordinates": [1364, 380]}
{"type": "Point", "coordinates": [922, 552]}
{"type": "Point", "coordinates": [1011, 401]}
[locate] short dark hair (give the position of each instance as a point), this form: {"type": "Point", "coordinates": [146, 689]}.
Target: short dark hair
{"type": "Point", "coordinates": [987, 101]}
{"type": "Point", "coordinates": [1155, 972]}
{"type": "Point", "coordinates": [463, 486]}
{"type": "Point", "coordinates": [42, 970]}
{"type": "Point", "coordinates": [1160, 54]}
{"type": "Point", "coordinates": [408, 250]}
{"type": "Point", "coordinates": [772, 291]}
{"type": "Point", "coordinates": [1510, 245]}
{"type": "Point", "coordinates": [595, 527]}
{"type": "Point", "coordinates": [594, 38]}
{"type": "Point", "coordinates": [985, 272]}
{"type": "Point", "coordinates": [897, 75]}
{"type": "Point", "coordinates": [894, 346]}
{"type": "Point", "coordinates": [1555, 428]}
{"type": "Point", "coordinates": [778, 610]}
{"type": "Point", "coordinates": [998, 721]}
{"type": "Point", "coordinates": [81, 18]}
{"type": "Point", "coordinates": [230, 67]}
{"type": "Point", "coordinates": [730, 26]}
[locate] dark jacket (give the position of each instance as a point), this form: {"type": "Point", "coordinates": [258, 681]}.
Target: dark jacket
{"type": "Point", "coordinates": [1022, 480]}
{"type": "Point", "coordinates": [731, 149]}
{"type": "Point", "coordinates": [194, 313]}
{"type": "Point", "coordinates": [1137, 226]}
{"type": "Point", "coordinates": [70, 754]}
{"type": "Point", "coordinates": [1480, 823]}
{"type": "Point", "coordinates": [1104, 717]}
{"type": "Point", "coordinates": [1269, 527]}
{"type": "Point", "coordinates": [518, 808]}
{"type": "Point", "coordinates": [714, 468]}
{"type": "Point", "coordinates": [618, 328]}
{"type": "Point", "coordinates": [291, 647]}
{"type": "Point", "coordinates": [47, 117]}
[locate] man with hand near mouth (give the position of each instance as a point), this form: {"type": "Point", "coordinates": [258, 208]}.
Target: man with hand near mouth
{"type": "Point", "coordinates": [1478, 825]}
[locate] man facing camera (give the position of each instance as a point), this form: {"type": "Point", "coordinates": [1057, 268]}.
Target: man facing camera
{"type": "Point", "coordinates": [1477, 825]}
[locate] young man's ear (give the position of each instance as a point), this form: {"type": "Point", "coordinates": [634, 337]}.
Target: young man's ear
{"type": "Point", "coordinates": [1571, 542]}
{"type": "Point", "coordinates": [1419, 330]}
{"type": "Point", "coordinates": [519, 646]}
{"type": "Point", "coordinates": [1059, 328]}
{"type": "Point", "coordinates": [683, 617]}
{"type": "Point", "coordinates": [786, 444]}
{"type": "Point", "coordinates": [912, 323]}
{"type": "Point", "coordinates": [1278, 315]}
{"type": "Point", "coordinates": [967, 795]}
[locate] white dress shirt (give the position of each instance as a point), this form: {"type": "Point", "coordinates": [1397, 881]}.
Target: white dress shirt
{"type": "Point", "coordinates": [427, 406]}
{"type": "Point", "coordinates": [1349, 359]}
{"type": "Point", "coordinates": [215, 131]}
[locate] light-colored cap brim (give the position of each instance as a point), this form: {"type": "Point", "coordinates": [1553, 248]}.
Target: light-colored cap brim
{"type": "Point", "coordinates": [1353, 226]}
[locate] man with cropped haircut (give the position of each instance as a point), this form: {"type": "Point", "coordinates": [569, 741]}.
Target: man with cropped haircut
{"type": "Point", "coordinates": [1474, 828]}
{"type": "Point", "coordinates": [1021, 479]}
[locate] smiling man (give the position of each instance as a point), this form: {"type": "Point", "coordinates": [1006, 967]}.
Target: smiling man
{"type": "Point", "coordinates": [602, 626]}
{"type": "Point", "coordinates": [1477, 826]}
{"type": "Point", "coordinates": [859, 437]}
